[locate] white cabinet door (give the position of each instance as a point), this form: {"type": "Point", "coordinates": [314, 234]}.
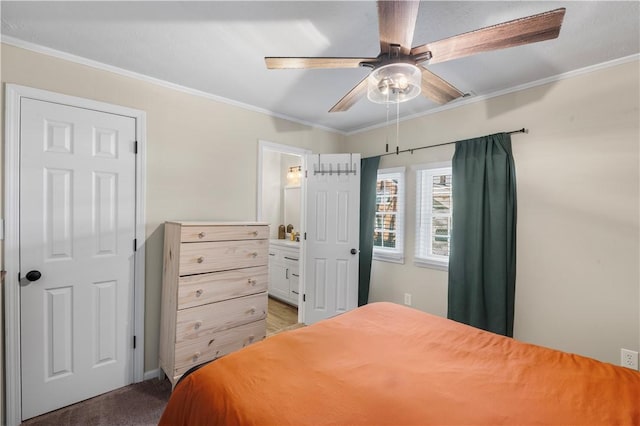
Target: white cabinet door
{"type": "Point", "coordinates": [272, 270]}
{"type": "Point", "coordinates": [332, 229]}
{"type": "Point", "coordinates": [279, 283]}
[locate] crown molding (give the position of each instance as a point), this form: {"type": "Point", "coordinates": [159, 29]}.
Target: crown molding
{"type": "Point", "coordinates": [12, 41]}
{"type": "Point", "coordinates": [474, 99]}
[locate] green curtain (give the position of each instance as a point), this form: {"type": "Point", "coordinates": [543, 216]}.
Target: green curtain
{"type": "Point", "coordinates": [368, 179]}
{"type": "Point", "coordinates": [482, 261]}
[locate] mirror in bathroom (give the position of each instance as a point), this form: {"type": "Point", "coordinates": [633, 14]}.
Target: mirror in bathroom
{"type": "Point", "coordinates": [279, 167]}
{"type": "Point", "coordinates": [292, 207]}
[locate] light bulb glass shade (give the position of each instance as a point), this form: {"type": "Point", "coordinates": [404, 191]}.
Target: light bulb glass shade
{"type": "Point", "coordinates": [294, 174]}
{"type": "Point", "coordinates": [394, 83]}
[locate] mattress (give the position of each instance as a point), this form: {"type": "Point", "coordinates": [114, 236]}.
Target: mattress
{"type": "Point", "coordinates": [386, 364]}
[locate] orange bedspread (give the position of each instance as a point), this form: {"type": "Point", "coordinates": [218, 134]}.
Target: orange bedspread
{"type": "Point", "coordinates": [388, 364]}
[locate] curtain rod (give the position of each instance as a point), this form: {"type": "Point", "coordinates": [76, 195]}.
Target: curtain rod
{"type": "Point", "coordinates": [523, 130]}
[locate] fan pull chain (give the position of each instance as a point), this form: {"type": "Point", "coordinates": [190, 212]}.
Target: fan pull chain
{"type": "Point", "coordinates": [387, 127]}
{"type": "Point", "coordinates": [397, 127]}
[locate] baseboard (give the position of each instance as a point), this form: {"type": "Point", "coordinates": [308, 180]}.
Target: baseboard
{"type": "Point", "coordinates": [151, 374]}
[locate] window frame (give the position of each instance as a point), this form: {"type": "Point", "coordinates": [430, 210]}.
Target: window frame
{"type": "Point", "coordinates": [429, 261]}
{"type": "Point", "coordinates": [395, 255]}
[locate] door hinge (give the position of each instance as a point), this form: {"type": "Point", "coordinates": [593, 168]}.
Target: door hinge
{"type": "Point", "coordinates": [135, 244]}
{"type": "Point", "coordinates": [305, 235]}
{"type": "Point", "coordinates": [134, 342]}
{"type": "Point", "coordinates": [305, 174]}
{"type": "Point", "coordinates": [304, 297]}
{"type": "Point", "coordinates": [135, 147]}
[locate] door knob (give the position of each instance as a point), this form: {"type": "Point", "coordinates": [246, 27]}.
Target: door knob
{"type": "Point", "coordinates": [33, 275]}
{"type": "Point", "coordinates": [354, 251]}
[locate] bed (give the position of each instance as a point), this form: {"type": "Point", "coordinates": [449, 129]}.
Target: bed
{"type": "Point", "coordinates": [386, 364]}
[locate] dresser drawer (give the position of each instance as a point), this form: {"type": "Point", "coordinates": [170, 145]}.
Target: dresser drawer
{"type": "Point", "coordinates": [197, 258]}
{"type": "Point", "coordinates": [190, 234]}
{"type": "Point", "coordinates": [194, 290]}
{"type": "Point", "coordinates": [204, 320]}
{"type": "Point", "coordinates": [206, 348]}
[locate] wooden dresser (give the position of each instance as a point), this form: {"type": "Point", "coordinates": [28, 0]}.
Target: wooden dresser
{"type": "Point", "coordinates": [214, 298]}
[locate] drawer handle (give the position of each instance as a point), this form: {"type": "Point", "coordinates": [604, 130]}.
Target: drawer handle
{"type": "Point", "coordinates": [254, 233]}
{"type": "Point", "coordinates": [200, 259]}
{"type": "Point", "coordinates": [294, 292]}
{"type": "Point", "coordinates": [251, 339]}
{"type": "Point", "coordinates": [252, 310]}
{"type": "Point", "coordinates": [199, 292]}
{"type": "Point", "coordinates": [211, 341]}
{"type": "Point", "coordinates": [197, 325]}
{"type": "Point", "coordinates": [270, 254]}
{"type": "Point", "coordinates": [201, 235]}
{"type": "Point", "coordinates": [254, 254]}
{"type": "Point", "coordinates": [291, 258]}
{"type": "Point", "coordinates": [252, 281]}
{"type": "Point", "coordinates": [196, 356]}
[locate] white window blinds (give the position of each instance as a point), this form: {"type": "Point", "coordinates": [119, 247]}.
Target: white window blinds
{"type": "Point", "coordinates": [388, 235]}
{"type": "Point", "coordinates": [433, 217]}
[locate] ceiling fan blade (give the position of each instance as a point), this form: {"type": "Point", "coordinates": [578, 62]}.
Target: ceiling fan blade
{"type": "Point", "coordinates": [436, 89]}
{"type": "Point", "coordinates": [352, 97]}
{"type": "Point", "coordinates": [540, 27]}
{"type": "Point", "coordinates": [397, 22]}
{"type": "Point", "coordinates": [297, 63]}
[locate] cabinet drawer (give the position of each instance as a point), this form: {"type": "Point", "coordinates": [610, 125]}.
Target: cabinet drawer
{"type": "Point", "coordinates": [194, 290]}
{"type": "Point", "coordinates": [283, 254]}
{"type": "Point", "coordinates": [204, 320]}
{"type": "Point", "coordinates": [197, 258]}
{"type": "Point", "coordinates": [190, 234]}
{"type": "Point", "coordinates": [294, 284]}
{"type": "Point", "coordinates": [206, 348]}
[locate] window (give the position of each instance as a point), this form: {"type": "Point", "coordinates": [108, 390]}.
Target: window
{"type": "Point", "coordinates": [388, 236]}
{"type": "Point", "coordinates": [433, 217]}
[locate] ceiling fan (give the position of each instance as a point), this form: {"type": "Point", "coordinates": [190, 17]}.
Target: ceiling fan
{"type": "Point", "coordinates": [397, 75]}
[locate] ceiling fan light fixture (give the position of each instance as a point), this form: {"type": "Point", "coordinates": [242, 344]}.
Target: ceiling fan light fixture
{"type": "Point", "coordinates": [394, 83]}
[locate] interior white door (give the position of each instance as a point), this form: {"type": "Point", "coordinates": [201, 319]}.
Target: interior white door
{"type": "Point", "coordinates": [332, 235]}
{"type": "Point", "coordinates": [77, 229]}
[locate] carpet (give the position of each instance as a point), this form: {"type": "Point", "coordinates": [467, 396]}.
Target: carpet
{"type": "Point", "coordinates": [136, 405]}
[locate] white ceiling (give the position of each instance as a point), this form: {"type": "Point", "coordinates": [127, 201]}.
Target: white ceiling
{"type": "Point", "coordinates": [219, 47]}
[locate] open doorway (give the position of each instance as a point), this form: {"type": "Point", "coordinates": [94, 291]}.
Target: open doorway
{"type": "Point", "coordinates": [280, 203]}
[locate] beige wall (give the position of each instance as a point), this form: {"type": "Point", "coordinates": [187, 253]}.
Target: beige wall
{"type": "Point", "coordinates": [577, 171]}
{"type": "Point", "coordinates": [201, 154]}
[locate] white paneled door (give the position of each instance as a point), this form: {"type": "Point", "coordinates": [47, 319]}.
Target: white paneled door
{"type": "Point", "coordinates": [77, 230]}
{"type": "Point", "coordinates": [332, 235]}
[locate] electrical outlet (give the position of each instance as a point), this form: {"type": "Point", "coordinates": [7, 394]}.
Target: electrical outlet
{"type": "Point", "coordinates": [407, 299]}
{"type": "Point", "coordinates": [629, 359]}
